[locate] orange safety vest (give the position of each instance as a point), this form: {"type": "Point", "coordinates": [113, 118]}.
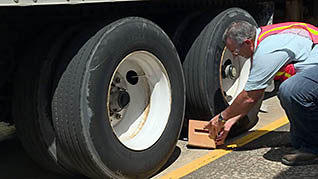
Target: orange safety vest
{"type": "Point", "coordinates": [288, 70]}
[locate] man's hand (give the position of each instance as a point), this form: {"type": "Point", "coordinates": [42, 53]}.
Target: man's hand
{"type": "Point", "coordinates": [225, 130]}
{"type": "Point", "coordinates": [240, 107]}
{"type": "Point", "coordinates": [214, 127]}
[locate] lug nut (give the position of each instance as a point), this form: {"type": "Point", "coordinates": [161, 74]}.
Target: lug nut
{"type": "Point", "coordinates": [111, 113]}
{"type": "Point", "coordinates": [229, 98]}
{"type": "Point", "coordinates": [118, 116]}
{"type": "Point", "coordinates": [117, 80]}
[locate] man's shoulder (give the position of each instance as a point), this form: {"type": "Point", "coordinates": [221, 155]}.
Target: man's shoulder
{"type": "Point", "coordinates": [273, 43]}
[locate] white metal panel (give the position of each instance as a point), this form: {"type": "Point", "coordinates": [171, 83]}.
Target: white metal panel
{"type": "Point", "coordinates": [53, 2]}
{"type": "Point", "coordinates": [7, 3]}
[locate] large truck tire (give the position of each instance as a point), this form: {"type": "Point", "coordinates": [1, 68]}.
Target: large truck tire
{"type": "Point", "coordinates": [213, 77]}
{"type": "Point", "coordinates": [119, 106]}
{"type": "Point", "coordinates": [32, 97]}
{"type": "Point", "coordinates": [189, 29]}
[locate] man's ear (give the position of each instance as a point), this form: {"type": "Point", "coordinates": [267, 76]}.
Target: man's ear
{"type": "Point", "coordinates": [248, 42]}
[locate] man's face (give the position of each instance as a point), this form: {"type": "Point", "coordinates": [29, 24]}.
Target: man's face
{"type": "Point", "coordinates": [245, 50]}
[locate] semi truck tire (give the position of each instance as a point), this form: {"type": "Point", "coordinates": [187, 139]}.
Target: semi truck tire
{"type": "Point", "coordinates": [119, 106]}
{"type": "Point", "coordinates": [32, 97]}
{"type": "Point", "coordinates": [189, 29]}
{"type": "Point", "coordinates": [213, 77]}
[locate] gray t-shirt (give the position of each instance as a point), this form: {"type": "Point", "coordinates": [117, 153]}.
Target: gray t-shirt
{"type": "Point", "coordinates": [277, 50]}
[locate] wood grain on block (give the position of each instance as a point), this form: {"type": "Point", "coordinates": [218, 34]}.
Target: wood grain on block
{"type": "Point", "coordinates": [198, 136]}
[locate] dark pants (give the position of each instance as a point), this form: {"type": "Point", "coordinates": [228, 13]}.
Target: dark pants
{"type": "Point", "coordinates": [299, 97]}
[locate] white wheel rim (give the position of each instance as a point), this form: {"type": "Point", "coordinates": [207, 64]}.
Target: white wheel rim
{"type": "Point", "coordinates": [143, 120]}
{"type": "Point", "coordinates": [232, 86]}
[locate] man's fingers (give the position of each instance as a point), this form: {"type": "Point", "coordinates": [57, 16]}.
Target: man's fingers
{"type": "Point", "coordinates": [219, 142]}
{"type": "Point", "coordinates": [212, 133]}
{"type": "Point", "coordinates": [208, 126]}
{"type": "Point", "coordinates": [221, 137]}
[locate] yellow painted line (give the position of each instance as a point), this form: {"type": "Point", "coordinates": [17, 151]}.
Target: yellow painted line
{"type": "Point", "coordinates": [217, 153]}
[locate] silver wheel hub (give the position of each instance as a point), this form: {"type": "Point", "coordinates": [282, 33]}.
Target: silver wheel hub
{"type": "Point", "coordinates": [119, 99]}
{"type": "Point", "coordinates": [231, 72]}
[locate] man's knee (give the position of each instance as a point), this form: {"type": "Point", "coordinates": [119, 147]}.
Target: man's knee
{"type": "Point", "coordinates": [297, 89]}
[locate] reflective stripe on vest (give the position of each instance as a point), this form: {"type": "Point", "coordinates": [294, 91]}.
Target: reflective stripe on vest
{"type": "Point", "coordinates": [288, 70]}
{"type": "Point", "coordinates": [277, 28]}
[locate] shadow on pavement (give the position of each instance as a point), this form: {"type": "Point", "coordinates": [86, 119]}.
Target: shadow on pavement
{"type": "Point", "coordinates": [272, 139]}
{"type": "Point", "coordinates": [305, 172]}
{"type": "Point", "coordinates": [16, 164]}
{"type": "Point", "coordinates": [175, 155]}
{"type": "Point", "coordinates": [279, 144]}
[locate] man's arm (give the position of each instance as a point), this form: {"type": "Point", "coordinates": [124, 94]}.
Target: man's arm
{"type": "Point", "coordinates": [240, 107]}
{"type": "Point", "coordinates": [243, 103]}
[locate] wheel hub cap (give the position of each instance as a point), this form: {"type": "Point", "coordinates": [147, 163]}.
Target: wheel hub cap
{"type": "Point", "coordinates": [119, 100]}
{"type": "Point", "coordinates": [231, 72]}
